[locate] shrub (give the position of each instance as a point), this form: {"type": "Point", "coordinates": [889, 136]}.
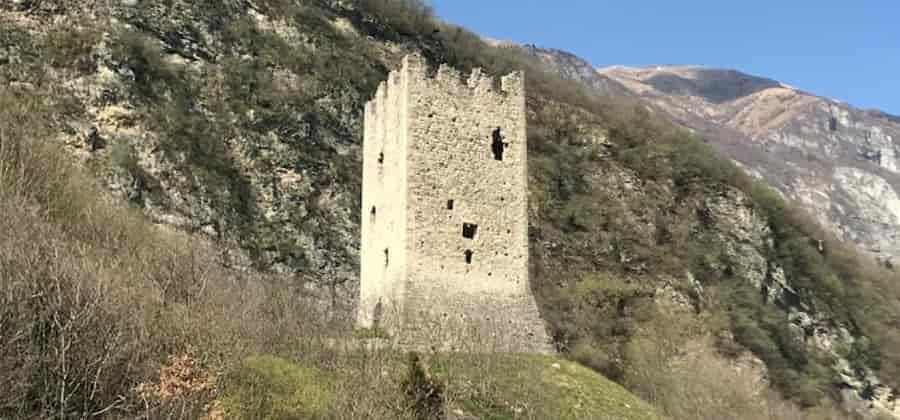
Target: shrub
{"type": "Point", "coordinates": [407, 17]}
{"type": "Point", "coordinates": [425, 394]}
{"type": "Point", "coordinates": [66, 46]}
{"type": "Point", "coordinates": [153, 77]}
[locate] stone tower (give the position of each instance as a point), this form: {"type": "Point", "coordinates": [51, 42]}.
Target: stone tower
{"type": "Point", "coordinates": [444, 218]}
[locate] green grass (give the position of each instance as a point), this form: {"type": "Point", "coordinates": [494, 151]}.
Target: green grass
{"type": "Point", "coordinates": [268, 387]}
{"type": "Point", "coordinates": [498, 386]}
{"type": "Point", "coordinates": [514, 386]}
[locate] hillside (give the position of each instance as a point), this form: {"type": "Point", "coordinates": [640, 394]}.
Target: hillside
{"type": "Point", "coordinates": [838, 162]}
{"type": "Point", "coordinates": [236, 127]}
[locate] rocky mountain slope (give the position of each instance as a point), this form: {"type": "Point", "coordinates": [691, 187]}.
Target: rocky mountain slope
{"type": "Point", "coordinates": [840, 163]}
{"type": "Point", "coordinates": [837, 162]}
{"type": "Point", "coordinates": [239, 122]}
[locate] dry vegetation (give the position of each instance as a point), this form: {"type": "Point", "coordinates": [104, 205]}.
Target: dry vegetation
{"type": "Point", "coordinates": [103, 314]}
{"type": "Point", "coordinates": [95, 298]}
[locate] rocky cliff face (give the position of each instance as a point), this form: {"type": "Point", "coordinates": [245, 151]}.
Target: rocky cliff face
{"type": "Point", "coordinates": [220, 118]}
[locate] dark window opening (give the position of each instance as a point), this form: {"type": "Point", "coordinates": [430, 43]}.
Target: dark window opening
{"type": "Point", "coordinates": [469, 230]}
{"type": "Point", "coordinates": [449, 204]}
{"type": "Point", "coordinates": [497, 144]}
{"type": "Point", "coordinates": [386, 257]}
{"type": "Point", "coordinates": [833, 124]}
{"type": "Point", "coordinates": [381, 157]}
{"type": "Point", "coordinates": [373, 210]}
{"type": "Point", "coordinates": [469, 256]}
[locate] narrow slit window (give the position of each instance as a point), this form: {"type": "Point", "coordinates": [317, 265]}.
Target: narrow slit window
{"type": "Point", "coordinates": [373, 211]}
{"type": "Point", "coordinates": [386, 257]}
{"type": "Point", "coordinates": [469, 254]}
{"type": "Point", "coordinates": [449, 204]}
{"type": "Point", "coordinates": [498, 146]}
{"type": "Point", "coordinates": [381, 157]}
{"type": "Point", "coordinates": [469, 230]}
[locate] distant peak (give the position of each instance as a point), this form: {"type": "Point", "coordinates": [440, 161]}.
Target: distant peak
{"type": "Point", "coordinates": [716, 85]}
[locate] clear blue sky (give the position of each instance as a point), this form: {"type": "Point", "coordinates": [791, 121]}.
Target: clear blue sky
{"type": "Point", "coordinates": [848, 50]}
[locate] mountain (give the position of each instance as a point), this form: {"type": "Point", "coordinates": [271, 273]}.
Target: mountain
{"type": "Point", "coordinates": [575, 68]}
{"type": "Point", "coordinates": [838, 162]}
{"type": "Point", "coordinates": [180, 192]}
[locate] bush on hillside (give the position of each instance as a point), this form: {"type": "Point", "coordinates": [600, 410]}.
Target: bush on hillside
{"type": "Point", "coordinates": [407, 17]}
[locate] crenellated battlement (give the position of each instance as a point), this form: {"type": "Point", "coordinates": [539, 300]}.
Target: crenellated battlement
{"type": "Point", "coordinates": [481, 82]}
{"type": "Point", "coordinates": [414, 67]}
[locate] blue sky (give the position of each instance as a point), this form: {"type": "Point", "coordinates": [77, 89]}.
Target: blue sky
{"type": "Point", "coordinates": [848, 50]}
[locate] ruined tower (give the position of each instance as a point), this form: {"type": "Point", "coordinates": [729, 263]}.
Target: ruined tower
{"type": "Point", "coordinates": [444, 258]}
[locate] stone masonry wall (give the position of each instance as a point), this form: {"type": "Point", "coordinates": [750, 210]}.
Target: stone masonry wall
{"type": "Point", "coordinates": [466, 285]}
{"type": "Point", "coordinates": [384, 205]}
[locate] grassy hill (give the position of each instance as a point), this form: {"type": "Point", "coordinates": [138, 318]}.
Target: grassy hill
{"type": "Point", "coordinates": [180, 184]}
{"type": "Point", "coordinates": [457, 386]}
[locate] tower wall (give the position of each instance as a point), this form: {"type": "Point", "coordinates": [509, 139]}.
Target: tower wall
{"type": "Point", "coordinates": [383, 250]}
{"type": "Point", "coordinates": [465, 273]}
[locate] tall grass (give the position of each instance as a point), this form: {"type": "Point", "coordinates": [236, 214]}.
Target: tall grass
{"type": "Point", "coordinates": [105, 315]}
{"type": "Point", "coordinates": [94, 298]}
